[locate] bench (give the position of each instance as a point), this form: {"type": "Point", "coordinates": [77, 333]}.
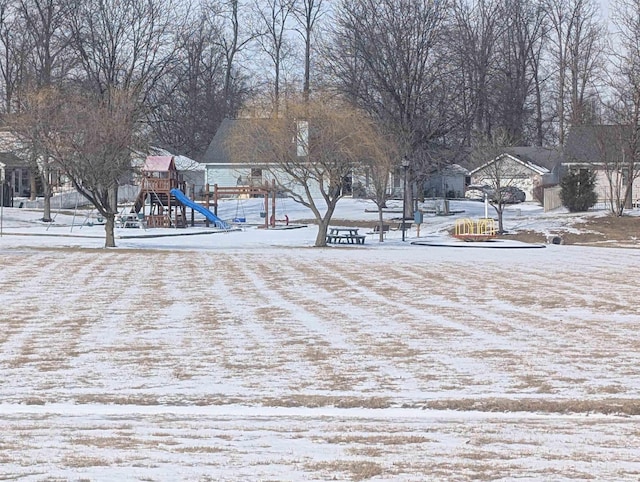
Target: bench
{"type": "Point", "coordinates": [345, 238]}
{"type": "Point", "coordinates": [131, 221]}
{"type": "Point", "coordinates": [344, 235]}
{"type": "Point", "coordinates": [399, 226]}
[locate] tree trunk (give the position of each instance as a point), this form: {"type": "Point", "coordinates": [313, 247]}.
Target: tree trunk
{"type": "Point", "coordinates": [307, 65]}
{"type": "Point", "coordinates": [33, 185]}
{"type": "Point", "coordinates": [380, 224]}
{"type": "Point", "coordinates": [46, 187]}
{"type": "Point", "coordinates": [109, 238]}
{"type": "Point", "coordinates": [110, 241]}
{"type": "Point", "coordinates": [321, 238]}
{"type": "Point", "coordinates": [539, 120]}
{"type": "Point", "coordinates": [500, 211]}
{"type": "Point", "coordinates": [46, 214]}
{"type": "Point", "coordinates": [407, 200]}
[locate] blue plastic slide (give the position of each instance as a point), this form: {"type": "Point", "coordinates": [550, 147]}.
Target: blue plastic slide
{"type": "Point", "coordinates": [180, 196]}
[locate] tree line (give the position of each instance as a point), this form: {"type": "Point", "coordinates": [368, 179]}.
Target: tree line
{"type": "Point", "coordinates": [444, 72]}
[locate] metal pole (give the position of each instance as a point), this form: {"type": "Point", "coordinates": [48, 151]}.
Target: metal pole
{"type": "Point", "coordinates": [486, 205]}
{"type": "Point", "coordinates": [1, 203]}
{"type": "Point", "coordinates": [404, 202]}
{"type": "Point", "coordinates": [2, 175]}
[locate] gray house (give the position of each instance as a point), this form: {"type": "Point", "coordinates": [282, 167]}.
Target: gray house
{"type": "Point", "coordinates": [448, 181]}
{"type": "Point", "coordinates": [15, 171]}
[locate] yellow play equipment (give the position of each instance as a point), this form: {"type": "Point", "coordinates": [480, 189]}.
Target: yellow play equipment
{"type": "Point", "coordinates": [475, 230]}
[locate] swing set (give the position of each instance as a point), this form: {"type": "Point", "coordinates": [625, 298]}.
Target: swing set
{"type": "Point", "coordinates": [266, 190]}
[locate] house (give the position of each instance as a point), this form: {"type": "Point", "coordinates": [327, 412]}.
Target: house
{"type": "Point", "coordinates": [603, 149]}
{"type": "Point", "coordinates": [523, 167]}
{"type": "Point", "coordinates": [14, 170]}
{"type": "Point", "coordinates": [448, 181]}
{"type": "Point", "coordinates": [222, 169]}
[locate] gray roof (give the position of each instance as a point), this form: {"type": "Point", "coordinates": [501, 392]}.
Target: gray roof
{"type": "Point", "coordinates": [547, 157]}
{"type": "Point", "coordinates": [449, 170]}
{"type": "Point", "coordinates": [528, 164]}
{"type": "Point", "coordinates": [539, 156]}
{"type": "Point", "coordinates": [592, 143]}
{"type": "Point", "coordinates": [216, 151]}
{"type": "Point", "coordinates": [10, 161]}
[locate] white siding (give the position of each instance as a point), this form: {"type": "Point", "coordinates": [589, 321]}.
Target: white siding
{"type": "Point", "coordinates": [227, 175]}
{"type": "Point", "coordinates": [515, 174]}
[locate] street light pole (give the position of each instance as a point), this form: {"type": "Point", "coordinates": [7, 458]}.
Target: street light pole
{"type": "Point", "coordinates": [405, 167]}
{"type": "Point", "coordinates": [2, 174]}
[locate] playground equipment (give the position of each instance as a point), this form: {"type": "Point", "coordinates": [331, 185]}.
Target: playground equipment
{"type": "Point", "coordinates": [209, 216]}
{"type": "Point", "coordinates": [159, 178]}
{"type": "Point", "coordinates": [266, 190]}
{"type": "Point", "coordinates": [162, 201]}
{"type": "Point", "coordinates": [475, 230]}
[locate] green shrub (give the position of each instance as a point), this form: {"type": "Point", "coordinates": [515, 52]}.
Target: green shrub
{"type": "Point", "coordinates": [578, 191]}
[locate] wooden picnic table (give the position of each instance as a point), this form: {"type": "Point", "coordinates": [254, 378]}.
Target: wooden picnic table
{"type": "Point", "coordinates": [344, 235]}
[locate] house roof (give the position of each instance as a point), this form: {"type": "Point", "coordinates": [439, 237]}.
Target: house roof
{"type": "Point", "coordinates": [216, 151]}
{"type": "Point", "coordinates": [591, 143]}
{"type": "Point", "coordinates": [12, 151]}
{"type": "Point", "coordinates": [183, 163]}
{"type": "Point", "coordinates": [525, 163]}
{"type": "Point", "coordinates": [450, 170]}
{"type": "Point", "coordinates": [546, 157]}
{"type": "Point", "coordinates": [159, 163]}
{"type": "Point", "coordinates": [10, 161]}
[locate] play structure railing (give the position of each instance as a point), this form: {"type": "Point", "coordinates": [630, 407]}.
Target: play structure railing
{"type": "Point", "coordinates": [475, 230]}
{"type": "Point", "coordinates": [160, 184]}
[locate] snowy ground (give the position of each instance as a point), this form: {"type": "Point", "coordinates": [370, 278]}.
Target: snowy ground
{"type": "Point", "coordinates": [249, 355]}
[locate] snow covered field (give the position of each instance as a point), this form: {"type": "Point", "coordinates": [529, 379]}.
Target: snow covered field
{"type": "Point", "coordinates": [250, 355]}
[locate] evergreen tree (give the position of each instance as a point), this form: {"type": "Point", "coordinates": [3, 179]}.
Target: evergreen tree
{"type": "Point", "coordinates": [578, 190]}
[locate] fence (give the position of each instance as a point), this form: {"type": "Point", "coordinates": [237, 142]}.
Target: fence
{"type": "Point", "coordinates": [551, 199]}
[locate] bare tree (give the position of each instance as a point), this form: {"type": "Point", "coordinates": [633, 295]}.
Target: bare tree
{"type": "Point", "coordinates": [274, 15]}
{"type": "Point", "coordinates": [189, 101]}
{"type": "Point", "coordinates": [576, 38]}
{"type": "Point", "coordinates": [519, 48]}
{"type": "Point", "coordinates": [378, 169]}
{"type": "Point", "coordinates": [125, 46]}
{"type": "Point", "coordinates": [619, 144]}
{"type": "Point", "coordinates": [49, 61]}
{"type": "Point", "coordinates": [308, 13]}
{"type": "Point", "coordinates": [387, 57]}
{"type": "Point", "coordinates": [91, 139]}
{"type": "Point", "coordinates": [234, 25]}
{"type": "Point", "coordinates": [128, 44]}
{"type": "Point", "coordinates": [478, 25]}
{"type": "Point", "coordinates": [310, 148]}
{"type": "Point", "coordinates": [47, 23]}
{"type": "Point", "coordinates": [15, 47]}
{"type": "Point", "coordinates": [32, 125]}
{"type": "Point", "coordinates": [497, 170]}
{"type": "Point", "coordinates": [618, 150]}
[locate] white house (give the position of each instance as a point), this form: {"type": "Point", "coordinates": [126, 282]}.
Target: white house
{"type": "Point", "coordinates": [606, 150]}
{"type": "Point", "coordinates": [223, 170]}
{"type": "Point", "coordinates": [516, 167]}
